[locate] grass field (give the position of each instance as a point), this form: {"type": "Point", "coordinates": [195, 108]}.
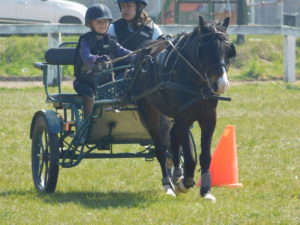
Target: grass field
{"type": "Point", "coordinates": [260, 58]}
{"type": "Point", "coordinates": [128, 191]}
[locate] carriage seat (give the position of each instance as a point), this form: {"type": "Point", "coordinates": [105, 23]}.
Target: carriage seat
{"type": "Point", "coordinates": [60, 56]}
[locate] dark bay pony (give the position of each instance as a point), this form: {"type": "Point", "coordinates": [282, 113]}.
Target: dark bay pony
{"type": "Point", "coordinates": [178, 87]}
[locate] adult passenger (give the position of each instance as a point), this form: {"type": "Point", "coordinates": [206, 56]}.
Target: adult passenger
{"type": "Point", "coordinates": [135, 27]}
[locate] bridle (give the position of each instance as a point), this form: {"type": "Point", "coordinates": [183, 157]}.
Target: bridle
{"type": "Point", "coordinates": [200, 72]}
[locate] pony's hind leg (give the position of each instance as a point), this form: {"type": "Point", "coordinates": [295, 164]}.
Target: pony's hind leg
{"type": "Point", "coordinates": [152, 120]}
{"type": "Point", "coordinates": [180, 137]}
{"type": "Point", "coordinates": [177, 176]}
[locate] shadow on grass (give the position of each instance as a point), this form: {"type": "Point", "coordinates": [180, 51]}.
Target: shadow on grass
{"type": "Point", "coordinates": [93, 200]}
{"type": "Point", "coordinates": [103, 199]}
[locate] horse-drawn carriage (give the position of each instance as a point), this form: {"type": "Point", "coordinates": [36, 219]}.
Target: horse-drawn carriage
{"type": "Point", "coordinates": [62, 137]}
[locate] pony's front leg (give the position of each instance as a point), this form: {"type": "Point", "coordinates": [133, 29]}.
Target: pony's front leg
{"type": "Point", "coordinates": [207, 130]}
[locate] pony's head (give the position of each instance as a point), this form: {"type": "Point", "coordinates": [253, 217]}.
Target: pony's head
{"type": "Point", "coordinates": [211, 52]}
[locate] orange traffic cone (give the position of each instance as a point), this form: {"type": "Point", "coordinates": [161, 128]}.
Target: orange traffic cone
{"type": "Point", "coordinates": [224, 166]}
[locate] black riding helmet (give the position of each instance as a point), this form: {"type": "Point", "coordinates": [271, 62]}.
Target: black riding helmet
{"type": "Point", "coordinates": [141, 4]}
{"type": "Point", "coordinates": [97, 11]}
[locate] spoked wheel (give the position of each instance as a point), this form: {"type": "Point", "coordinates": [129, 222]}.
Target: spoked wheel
{"type": "Point", "coordinates": [170, 164]}
{"type": "Point", "coordinates": [45, 157]}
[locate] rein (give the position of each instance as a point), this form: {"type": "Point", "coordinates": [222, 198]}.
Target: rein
{"type": "Point", "coordinates": [187, 62]}
{"type": "Point", "coordinates": [137, 51]}
{"type": "Point", "coordinates": [198, 73]}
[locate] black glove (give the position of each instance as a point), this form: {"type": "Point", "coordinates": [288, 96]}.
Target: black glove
{"type": "Point", "coordinates": [103, 59]}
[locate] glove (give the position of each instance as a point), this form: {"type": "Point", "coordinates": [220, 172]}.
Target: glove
{"type": "Point", "coordinates": [102, 59]}
{"type": "Point", "coordinates": [165, 37]}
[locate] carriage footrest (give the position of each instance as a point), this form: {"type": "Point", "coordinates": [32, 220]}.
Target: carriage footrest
{"type": "Point", "coordinates": [146, 155]}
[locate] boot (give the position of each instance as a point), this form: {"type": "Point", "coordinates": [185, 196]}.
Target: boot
{"type": "Point", "coordinates": [88, 102]}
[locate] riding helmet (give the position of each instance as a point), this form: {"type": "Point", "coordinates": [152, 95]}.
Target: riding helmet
{"type": "Point", "coordinates": [141, 4]}
{"type": "Point", "coordinates": [97, 11]}
{"type": "Point", "coordinates": [145, 2]}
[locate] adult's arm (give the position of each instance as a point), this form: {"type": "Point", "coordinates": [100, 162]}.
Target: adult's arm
{"type": "Point", "coordinates": [156, 32]}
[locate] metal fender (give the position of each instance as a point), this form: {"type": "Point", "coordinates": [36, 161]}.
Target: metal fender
{"type": "Point", "coordinates": [53, 121]}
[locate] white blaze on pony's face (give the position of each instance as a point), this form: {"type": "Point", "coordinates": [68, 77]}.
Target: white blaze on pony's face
{"type": "Point", "coordinates": [222, 83]}
{"type": "Point", "coordinates": [214, 51]}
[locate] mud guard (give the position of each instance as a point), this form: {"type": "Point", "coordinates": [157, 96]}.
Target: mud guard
{"type": "Point", "coordinates": [53, 121]}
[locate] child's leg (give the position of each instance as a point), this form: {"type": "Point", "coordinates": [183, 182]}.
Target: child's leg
{"type": "Point", "coordinates": [87, 91]}
{"type": "Point", "coordinates": [88, 102]}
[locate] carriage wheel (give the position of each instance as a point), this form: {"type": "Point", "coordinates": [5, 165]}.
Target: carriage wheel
{"type": "Point", "coordinates": [169, 161]}
{"type": "Point", "coordinates": [45, 157]}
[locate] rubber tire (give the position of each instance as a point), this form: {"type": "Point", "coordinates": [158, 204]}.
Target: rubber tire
{"type": "Point", "coordinates": [45, 167]}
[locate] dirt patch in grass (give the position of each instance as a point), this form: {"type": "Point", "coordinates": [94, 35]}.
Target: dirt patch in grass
{"type": "Point", "coordinates": [20, 82]}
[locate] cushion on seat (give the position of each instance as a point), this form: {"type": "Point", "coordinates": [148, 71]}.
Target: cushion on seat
{"type": "Point", "coordinates": [66, 98]}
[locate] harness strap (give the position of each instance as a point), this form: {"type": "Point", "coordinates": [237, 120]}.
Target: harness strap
{"type": "Point", "coordinates": [200, 92]}
{"type": "Point", "coordinates": [187, 62]}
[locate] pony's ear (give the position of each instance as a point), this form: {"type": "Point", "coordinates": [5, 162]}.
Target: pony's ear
{"type": "Point", "coordinates": [226, 22]}
{"type": "Point", "coordinates": [201, 23]}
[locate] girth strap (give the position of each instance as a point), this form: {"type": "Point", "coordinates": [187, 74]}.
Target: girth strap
{"type": "Point", "coordinates": [199, 92]}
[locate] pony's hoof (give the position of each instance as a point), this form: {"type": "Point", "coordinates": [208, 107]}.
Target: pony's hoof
{"type": "Point", "coordinates": [210, 197]}
{"type": "Point", "coordinates": [181, 188]}
{"type": "Point", "coordinates": [169, 191]}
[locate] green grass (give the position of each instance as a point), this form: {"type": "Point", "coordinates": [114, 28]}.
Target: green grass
{"type": "Point", "coordinates": [128, 191]}
{"type": "Point", "coordinates": [260, 58]}
{"type": "Point", "coordinates": [18, 54]}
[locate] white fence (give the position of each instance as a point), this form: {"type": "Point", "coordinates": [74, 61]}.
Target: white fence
{"type": "Point", "coordinates": [54, 32]}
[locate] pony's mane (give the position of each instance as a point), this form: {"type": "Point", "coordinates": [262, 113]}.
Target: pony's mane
{"type": "Point", "coordinates": [211, 27]}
